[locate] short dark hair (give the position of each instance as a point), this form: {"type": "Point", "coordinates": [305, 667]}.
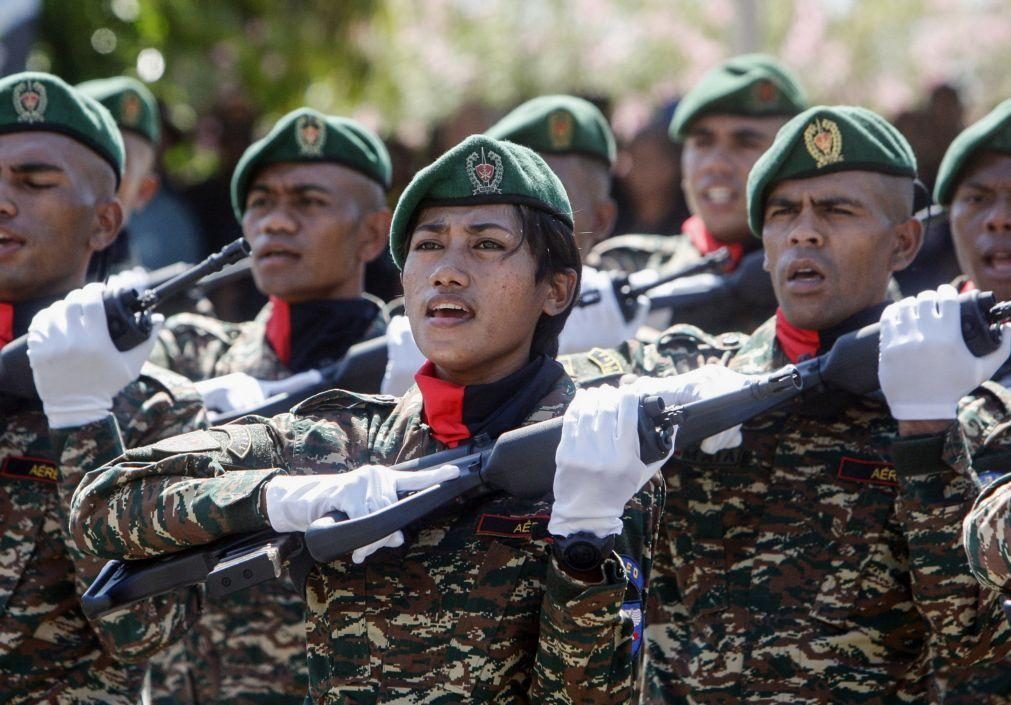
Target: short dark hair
{"type": "Point", "coordinates": [554, 249]}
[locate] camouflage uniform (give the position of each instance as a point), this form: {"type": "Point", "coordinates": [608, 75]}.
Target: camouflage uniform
{"type": "Point", "coordinates": [817, 562]}
{"type": "Point", "coordinates": [471, 609]}
{"type": "Point", "coordinates": [250, 647]}
{"type": "Point", "coordinates": [49, 651]}
{"type": "Point", "coordinates": [636, 252]}
{"type": "Point", "coordinates": [200, 347]}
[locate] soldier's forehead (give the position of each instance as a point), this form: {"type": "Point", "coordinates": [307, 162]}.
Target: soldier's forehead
{"type": "Point", "coordinates": [50, 147]}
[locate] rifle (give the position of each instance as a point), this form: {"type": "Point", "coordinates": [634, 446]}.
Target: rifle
{"type": "Point", "coordinates": [360, 370]}
{"type": "Point", "coordinates": [521, 463]}
{"type": "Point", "coordinates": [748, 287]}
{"type": "Point", "coordinates": [128, 314]}
{"type": "Point", "coordinates": [628, 295]}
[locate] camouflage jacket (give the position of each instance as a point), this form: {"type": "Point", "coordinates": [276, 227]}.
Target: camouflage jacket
{"type": "Point", "coordinates": [471, 608]}
{"type": "Point", "coordinates": [200, 347]}
{"type": "Point", "coordinates": [49, 651]}
{"type": "Point", "coordinates": [250, 644]}
{"type": "Point", "coordinates": [820, 561]}
{"type": "Point", "coordinates": [636, 252]}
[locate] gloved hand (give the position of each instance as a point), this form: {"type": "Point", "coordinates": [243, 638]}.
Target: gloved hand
{"type": "Point", "coordinates": [600, 325]}
{"type": "Point", "coordinates": [702, 383]}
{"type": "Point", "coordinates": [924, 365]}
{"type": "Point", "coordinates": [296, 501]}
{"type": "Point", "coordinates": [237, 391]}
{"type": "Point", "coordinates": [598, 468]}
{"type": "Point", "coordinates": [76, 367]}
{"type": "Point", "coordinates": [404, 358]}
{"type": "Point", "coordinates": [134, 278]}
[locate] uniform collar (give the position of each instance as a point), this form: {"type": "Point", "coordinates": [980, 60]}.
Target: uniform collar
{"type": "Point", "coordinates": [705, 243]}
{"type": "Point", "coordinates": [311, 334]}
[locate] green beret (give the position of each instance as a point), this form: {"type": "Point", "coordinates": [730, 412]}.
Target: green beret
{"type": "Point", "coordinates": [34, 101]}
{"type": "Point", "coordinates": [132, 105]}
{"type": "Point", "coordinates": [480, 170]}
{"type": "Point", "coordinates": [751, 84]}
{"type": "Point", "coordinates": [305, 135]}
{"type": "Point", "coordinates": [992, 133]}
{"type": "Point", "coordinates": [558, 124]}
{"type": "Point", "coordinates": [824, 140]}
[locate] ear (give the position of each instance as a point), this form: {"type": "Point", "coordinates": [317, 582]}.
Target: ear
{"type": "Point", "coordinates": [373, 234]}
{"type": "Point", "coordinates": [148, 188]}
{"type": "Point", "coordinates": [908, 237]}
{"type": "Point", "coordinates": [107, 224]}
{"type": "Point", "coordinates": [605, 215]}
{"type": "Point", "coordinates": [561, 291]}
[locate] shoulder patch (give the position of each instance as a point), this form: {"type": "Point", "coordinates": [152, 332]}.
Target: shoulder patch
{"type": "Point", "coordinates": [609, 362]}
{"type": "Point", "coordinates": [194, 442]}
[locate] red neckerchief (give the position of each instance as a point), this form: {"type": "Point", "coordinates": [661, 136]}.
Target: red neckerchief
{"type": "Point", "coordinates": [279, 329]}
{"type": "Point", "coordinates": [795, 341]}
{"type": "Point", "coordinates": [705, 243]}
{"type": "Point", "coordinates": [443, 406]}
{"type": "Point", "coordinates": [6, 323]}
{"type": "Point", "coordinates": [967, 285]}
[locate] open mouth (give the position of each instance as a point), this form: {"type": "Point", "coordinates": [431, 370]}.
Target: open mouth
{"type": "Point", "coordinates": [275, 254]}
{"type": "Point", "coordinates": [998, 261]}
{"type": "Point", "coordinates": [719, 195]}
{"type": "Point", "coordinates": [9, 243]}
{"type": "Point", "coordinates": [448, 310]}
{"type": "Point", "coordinates": [804, 274]}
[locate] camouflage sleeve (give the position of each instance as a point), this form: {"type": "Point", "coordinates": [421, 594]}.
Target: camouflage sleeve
{"type": "Point", "coordinates": [589, 649]}
{"type": "Point", "coordinates": [150, 407]}
{"type": "Point", "coordinates": [191, 345]}
{"type": "Point", "coordinates": [937, 487]}
{"type": "Point", "coordinates": [180, 492]}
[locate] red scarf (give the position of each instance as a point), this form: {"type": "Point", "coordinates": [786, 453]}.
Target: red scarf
{"type": "Point", "coordinates": [967, 285]}
{"type": "Point", "coordinates": [6, 323]}
{"type": "Point", "coordinates": [705, 243]}
{"type": "Point", "coordinates": [443, 406]}
{"type": "Point", "coordinates": [279, 329]}
{"type": "Point", "coordinates": [795, 341]}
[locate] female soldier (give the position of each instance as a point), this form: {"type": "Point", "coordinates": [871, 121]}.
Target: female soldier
{"type": "Point", "coordinates": [472, 605]}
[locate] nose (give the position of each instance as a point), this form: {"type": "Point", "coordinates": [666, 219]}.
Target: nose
{"type": "Point", "coordinates": [450, 272]}
{"type": "Point", "coordinates": [805, 230]}
{"type": "Point", "coordinates": [998, 218]}
{"type": "Point", "coordinates": [277, 221]}
{"type": "Point", "coordinates": [8, 209]}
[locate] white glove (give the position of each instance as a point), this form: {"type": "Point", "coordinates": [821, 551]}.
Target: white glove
{"type": "Point", "coordinates": [237, 391]}
{"type": "Point", "coordinates": [133, 278]}
{"type": "Point", "coordinates": [702, 383]}
{"type": "Point", "coordinates": [924, 365]}
{"type": "Point", "coordinates": [296, 501]}
{"type": "Point", "coordinates": [600, 325]}
{"type": "Point", "coordinates": [404, 358]}
{"type": "Point", "coordinates": [598, 468]}
{"type": "Point", "coordinates": [76, 367]}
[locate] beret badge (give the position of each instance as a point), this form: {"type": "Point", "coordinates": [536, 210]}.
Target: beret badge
{"type": "Point", "coordinates": [486, 174]}
{"type": "Point", "coordinates": [130, 109]}
{"type": "Point", "coordinates": [560, 128]}
{"type": "Point", "coordinates": [310, 136]}
{"type": "Point", "coordinates": [824, 142]}
{"type": "Point", "coordinates": [30, 101]}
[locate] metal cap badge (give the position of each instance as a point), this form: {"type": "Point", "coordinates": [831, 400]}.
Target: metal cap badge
{"type": "Point", "coordinates": [824, 142]}
{"type": "Point", "coordinates": [30, 101]}
{"type": "Point", "coordinates": [485, 176]}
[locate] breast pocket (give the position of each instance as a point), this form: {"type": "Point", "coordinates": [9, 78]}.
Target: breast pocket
{"type": "Point", "coordinates": [23, 506]}
{"type": "Point", "coordinates": [495, 637]}
{"type": "Point", "coordinates": [866, 582]}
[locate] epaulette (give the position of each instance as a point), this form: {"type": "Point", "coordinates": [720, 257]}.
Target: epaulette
{"type": "Point", "coordinates": [341, 399]}
{"type": "Point", "coordinates": [597, 367]}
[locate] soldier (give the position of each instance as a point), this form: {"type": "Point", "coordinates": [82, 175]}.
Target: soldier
{"type": "Point", "coordinates": [572, 136]}
{"type": "Point", "coordinates": [725, 122]}
{"type": "Point", "coordinates": [311, 197]}
{"type": "Point", "coordinates": [819, 562]}
{"type": "Point", "coordinates": [974, 184]}
{"type": "Point", "coordinates": [61, 158]}
{"type": "Point", "coordinates": [468, 605]}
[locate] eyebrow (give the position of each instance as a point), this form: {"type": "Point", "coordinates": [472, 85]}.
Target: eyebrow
{"type": "Point", "coordinates": [977, 185]}
{"type": "Point", "coordinates": [818, 202]}
{"type": "Point", "coordinates": [296, 189]}
{"type": "Point", "coordinates": [438, 226]}
{"type": "Point", "coordinates": [36, 168]}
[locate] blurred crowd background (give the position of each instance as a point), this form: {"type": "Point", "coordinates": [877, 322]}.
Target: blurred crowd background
{"type": "Point", "coordinates": [426, 73]}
